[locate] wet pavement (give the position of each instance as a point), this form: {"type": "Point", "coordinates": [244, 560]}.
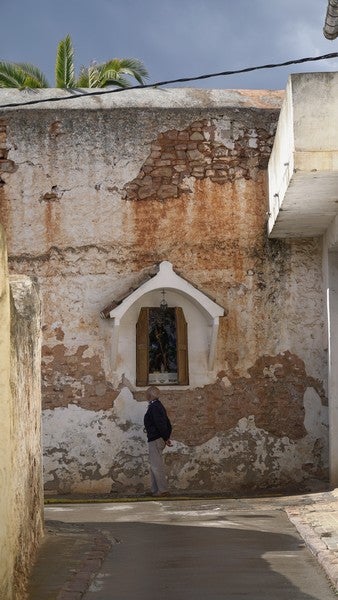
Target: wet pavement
{"type": "Point", "coordinates": [284, 548]}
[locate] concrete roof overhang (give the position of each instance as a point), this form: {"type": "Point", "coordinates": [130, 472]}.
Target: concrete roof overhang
{"type": "Point", "coordinates": [303, 167]}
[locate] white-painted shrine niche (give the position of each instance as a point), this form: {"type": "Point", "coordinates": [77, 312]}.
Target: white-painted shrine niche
{"type": "Point", "coordinates": [164, 332]}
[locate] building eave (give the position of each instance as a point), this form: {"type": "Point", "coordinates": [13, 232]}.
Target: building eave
{"type": "Point", "coordinates": [161, 276]}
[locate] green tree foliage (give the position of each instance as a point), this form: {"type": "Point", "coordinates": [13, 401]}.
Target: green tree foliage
{"type": "Point", "coordinates": [21, 75]}
{"type": "Point", "coordinates": [117, 71]}
{"type": "Point", "coordinates": [64, 64]}
{"type": "Point", "coordinates": [112, 72]}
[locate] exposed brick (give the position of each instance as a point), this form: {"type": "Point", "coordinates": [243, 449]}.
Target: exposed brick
{"type": "Point", "coordinates": [197, 136]}
{"type": "Point", "coordinates": [168, 155]}
{"type": "Point", "coordinates": [183, 135]}
{"type": "Point", "coordinates": [146, 192]}
{"type": "Point", "coordinates": [194, 152]}
{"type": "Point", "coordinates": [205, 148]}
{"type": "Point", "coordinates": [162, 171]}
{"type": "Point", "coordinates": [163, 163]}
{"type": "Point", "coordinates": [167, 191]}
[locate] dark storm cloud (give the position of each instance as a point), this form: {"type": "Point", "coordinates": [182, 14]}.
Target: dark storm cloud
{"type": "Point", "coordinates": [174, 38]}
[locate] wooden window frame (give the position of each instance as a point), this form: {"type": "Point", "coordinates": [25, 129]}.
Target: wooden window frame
{"type": "Point", "coordinates": [142, 348]}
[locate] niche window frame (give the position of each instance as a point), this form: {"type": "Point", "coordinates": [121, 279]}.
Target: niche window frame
{"type": "Point", "coordinates": [165, 278]}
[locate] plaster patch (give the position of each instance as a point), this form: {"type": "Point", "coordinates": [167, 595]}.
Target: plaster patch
{"type": "Point", "coordinates": [87, 451]}
{"type": "Point", "coordinates": [126, 410]}
{"type": "Point", "coordinates": [315, 419]}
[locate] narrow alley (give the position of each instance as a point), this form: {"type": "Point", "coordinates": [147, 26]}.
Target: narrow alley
{"type": "Point", "coordinates": [174, 550]}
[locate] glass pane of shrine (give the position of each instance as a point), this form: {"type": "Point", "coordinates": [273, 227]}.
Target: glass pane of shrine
{"type": "Point", "coordinates": [162, 346]}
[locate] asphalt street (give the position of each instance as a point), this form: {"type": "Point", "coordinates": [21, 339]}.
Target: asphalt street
{"type": "Point", "coordinates": [175, 550]}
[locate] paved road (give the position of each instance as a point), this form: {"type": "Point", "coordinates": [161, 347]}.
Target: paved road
{"type": "Point", "coordinates": [176, 550]}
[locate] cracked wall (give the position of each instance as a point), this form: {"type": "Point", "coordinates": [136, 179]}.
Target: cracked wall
{"type": "Point", "coordinates": [101, 193]}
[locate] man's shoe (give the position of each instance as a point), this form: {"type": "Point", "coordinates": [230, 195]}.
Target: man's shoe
{"type": "Point", "coordinates": [161, 494]}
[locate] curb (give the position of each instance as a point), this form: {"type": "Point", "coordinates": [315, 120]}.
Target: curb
{"type": "Point", "coordinates": [63, 500]}
{"type": "Point", "coordinates": [327, 559]}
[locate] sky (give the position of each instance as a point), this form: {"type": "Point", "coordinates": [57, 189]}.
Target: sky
{"type": "Point", "coordinates": [173, 38]}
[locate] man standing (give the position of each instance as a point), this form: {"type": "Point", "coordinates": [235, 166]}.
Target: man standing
{"type": "Point", "coordinates": [158, 428]}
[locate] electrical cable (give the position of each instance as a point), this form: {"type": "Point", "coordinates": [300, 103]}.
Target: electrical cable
{"type": "Point", "coordinates": [101, 92]}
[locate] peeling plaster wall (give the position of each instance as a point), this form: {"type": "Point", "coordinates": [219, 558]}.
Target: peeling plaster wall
{"type": "Point", "coordinates": [21, 498]}
{"type": "Point", "coordinates": [106, 452]}
{"type": "Point", "coordinates": [103, 189]}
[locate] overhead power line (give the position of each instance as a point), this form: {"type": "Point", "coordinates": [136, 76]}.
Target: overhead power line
{"type": "Point", "coordinates": [101, 92]}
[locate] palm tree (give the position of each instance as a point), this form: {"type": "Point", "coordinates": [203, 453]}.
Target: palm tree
{"type": "Point", "coordinates": [113, 72]}
{"type": "Point", "coordinates": [64, 64]}
{"type": "Point", "coordinates": [21, 75]}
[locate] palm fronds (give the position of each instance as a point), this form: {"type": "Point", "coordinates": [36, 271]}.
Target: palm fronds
{"type": "Point", "coordinates": [117, 71]}
{"type": "Point", "coordinates": [113, 70]}
{"type": "Point", "coordinates": [89, 77]}
{"type": "Point", "coordinates": [64, 64]}
{"type": "Point", "coordinates": [34, 75]}
{"type": "Point", "coordinates": [21, 75]}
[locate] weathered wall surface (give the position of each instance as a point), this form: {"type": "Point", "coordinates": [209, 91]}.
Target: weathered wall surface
{"type": "Point", "coordinates": [26, 475]}
{"type": "Point", "coordinates": [20, 440]}
{"type": "Point", "coordinates": [97, 193]}
{"type": "Point", "coordinates": [6, 516]}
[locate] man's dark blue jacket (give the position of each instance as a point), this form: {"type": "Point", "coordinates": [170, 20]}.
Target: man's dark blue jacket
{"type": "Point", "coordinates": [156, 422]}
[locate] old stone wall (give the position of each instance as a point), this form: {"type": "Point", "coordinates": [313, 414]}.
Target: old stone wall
{"type": "Point", "coordinates": [21, 499]}
{"type": "Point", "coordinates": [101, 190]}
